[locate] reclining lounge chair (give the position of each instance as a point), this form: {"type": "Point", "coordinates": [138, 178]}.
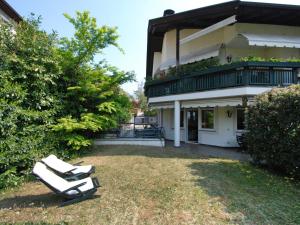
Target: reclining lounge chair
{"type": "Point", "coordinates": [73, 191]}
{"type": "Point", "coordinates": [66, 170]}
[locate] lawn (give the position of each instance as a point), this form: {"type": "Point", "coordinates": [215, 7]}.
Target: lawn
{"type": "Point", "coordinates": [146, 185]}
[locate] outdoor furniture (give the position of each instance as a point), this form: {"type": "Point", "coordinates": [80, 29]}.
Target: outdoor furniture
{"type": "Point", "coordinates": [241, 140]}
{"type": "Point", "coordinates": [74, 191]}
{"type": "Point", "coordinates": [67, 170]}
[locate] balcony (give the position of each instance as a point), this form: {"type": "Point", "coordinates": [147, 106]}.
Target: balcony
{"type": "Point", "coordinates": [269, 74]}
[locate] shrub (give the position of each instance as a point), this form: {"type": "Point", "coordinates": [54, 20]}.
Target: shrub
{"type": "Point", "coordinates": [188, 69]}
{"type": "Point", "coordinates": [273, 135]}
{"type": "Point", "coordinates": [28, 103]}
{"type": "Point", "coordinates": [261, 59]}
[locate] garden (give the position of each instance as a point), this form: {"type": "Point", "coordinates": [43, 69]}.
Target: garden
{"type": "Point", "coordinates": [148, 185]}
{"type": "Point", "coordinates": [55, 96]}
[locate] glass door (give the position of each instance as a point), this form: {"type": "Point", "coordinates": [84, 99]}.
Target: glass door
{"type": "Point", "coordinates": [192, 121]}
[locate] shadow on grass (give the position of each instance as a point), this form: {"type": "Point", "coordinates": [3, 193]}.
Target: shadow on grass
{"type": "Point", "coordinates": [148, 151]}
{"type": "Point", "coordinates": [250, 194]}
{"type": "Point", "coordinates": [187, 151]}
{"type": "Point", "coordinates": [31, 201]}
{"type": "Point", "coordinates": [35, 201]}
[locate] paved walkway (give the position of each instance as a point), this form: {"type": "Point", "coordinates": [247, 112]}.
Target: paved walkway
{"type": "Point", "coordinates": [213, 151]}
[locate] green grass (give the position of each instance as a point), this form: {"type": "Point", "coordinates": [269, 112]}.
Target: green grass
{"type": "Point", "coordinates": [144, 185]}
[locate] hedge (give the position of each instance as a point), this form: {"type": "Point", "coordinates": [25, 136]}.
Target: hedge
{"type": "Point", "coordinates": [273, 125]}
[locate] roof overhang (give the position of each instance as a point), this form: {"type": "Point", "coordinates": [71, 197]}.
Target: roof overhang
{"type": "Point", "coordinates": [222, 102]}
{"type": "Point", "coordinates": [205, 103]}
{"type": "Point", "coordinates": [7, 9]}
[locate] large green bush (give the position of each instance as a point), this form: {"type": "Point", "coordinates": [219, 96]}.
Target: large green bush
{"type": "Point", "coordinates": [273, 135]}
{"type": "Point", "coordinates": [29, 69]}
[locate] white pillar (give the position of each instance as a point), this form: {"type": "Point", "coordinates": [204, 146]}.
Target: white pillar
{"type": "Point", "coordinates": [177, 124]}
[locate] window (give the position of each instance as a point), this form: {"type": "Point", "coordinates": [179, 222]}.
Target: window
{"type": "Point", "coordinates": [181, 118]}
{"type": "Point", "coordinates": [207, 119]}
{"type": "Point", "coordinates": [240, 115]}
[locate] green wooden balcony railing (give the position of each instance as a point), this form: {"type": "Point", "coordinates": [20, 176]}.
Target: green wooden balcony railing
{"type": "Point", "coordinates": [226, 76]}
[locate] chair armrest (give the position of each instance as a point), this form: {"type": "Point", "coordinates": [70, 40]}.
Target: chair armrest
{"type": "Point", "coordinates": [68, 171]}
{"type": "Point", "coordinates": [76, 188]}
{"type": "Point", "coordinates": [78, 163]}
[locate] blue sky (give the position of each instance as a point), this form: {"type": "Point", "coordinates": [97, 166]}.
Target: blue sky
{"type": "Point", "coordinates": [130, 16]}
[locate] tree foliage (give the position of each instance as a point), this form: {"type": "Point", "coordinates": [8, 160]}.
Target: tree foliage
{"type": "Point", "coordinates": [53, 95]}
{"type": "Point", "coordinates": [274, 129]}
{"type": "Point", "coordinates": [92, 97]}
{"type": "Point", "coordinates": [141, 98]}
{"type": "Point", "coordinates": [142, 101]}
{"type": "Point", "coordinates": [29, 70]}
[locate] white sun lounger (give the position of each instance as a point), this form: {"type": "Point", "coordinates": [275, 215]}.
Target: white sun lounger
{"type": "Point", "coordinates": [66, 170]}
{"type": "Point", "coordinates": [74, 191]}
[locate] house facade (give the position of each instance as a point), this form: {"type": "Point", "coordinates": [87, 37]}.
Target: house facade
{"type": "Point", "coordinates": [206, 65]}
{"type": "Point", "coordinates": [7, 13]}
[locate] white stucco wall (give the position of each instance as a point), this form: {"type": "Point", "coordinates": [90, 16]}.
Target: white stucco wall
{"type": "Point", "coordinates": [169, 46]}
{"type": "Point", "coordinates": [223, 134]}
{"type": "Point", "coordinates": [214, 38]}
{"type": "Point", "coordinates": [156, 62]}
{"type": "Point", "coordinates": [224, 36]}
{"type": "Point", "coordinates": [4, 16]}
{"type": "Point", "coordinates": [267, 28]}
{"type": "Point", "coordinates": [168, 125]}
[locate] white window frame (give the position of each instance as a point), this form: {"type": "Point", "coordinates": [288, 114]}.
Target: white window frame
{"type": "Point", "coordinates": [214, 125]}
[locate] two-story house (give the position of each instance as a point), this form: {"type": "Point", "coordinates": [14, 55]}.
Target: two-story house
{"type": "Point", "coordinates": [7, 13]}
{"type": "Point", "coordinates": [204, 66]}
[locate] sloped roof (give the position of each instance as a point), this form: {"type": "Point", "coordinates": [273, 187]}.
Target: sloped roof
{"type": "Point", "coordinates": [5, 7]}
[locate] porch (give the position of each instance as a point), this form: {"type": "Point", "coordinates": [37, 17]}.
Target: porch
{"type": "Point", "coordinates": [215, 122]}
{"type": "Point", "coordinates": [213, 151]}
{"type": "Point", "coordinates": [143, 131]}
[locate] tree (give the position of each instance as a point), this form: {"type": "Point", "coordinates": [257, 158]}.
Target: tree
{"type": "Point", "coordinates": [91, 93]}
{"type": "Point", "coordinates": [142, 100]}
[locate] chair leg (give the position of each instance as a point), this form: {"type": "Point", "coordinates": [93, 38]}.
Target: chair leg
{"type": "Point", "coordinates": [75, 200]}
{"type": "Point", "coordinates": [79, 199]}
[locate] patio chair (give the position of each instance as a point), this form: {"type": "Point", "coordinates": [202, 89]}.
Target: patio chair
{"type": "Point", "coordinates": [73, 191]}
{"type": "Point", "coordinates": [67, 170]}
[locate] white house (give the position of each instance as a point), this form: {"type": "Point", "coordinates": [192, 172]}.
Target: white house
{"type": "Point", "coordinates": [7, 13]}
{"type": "Point", "coordinates": [206, 106]}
